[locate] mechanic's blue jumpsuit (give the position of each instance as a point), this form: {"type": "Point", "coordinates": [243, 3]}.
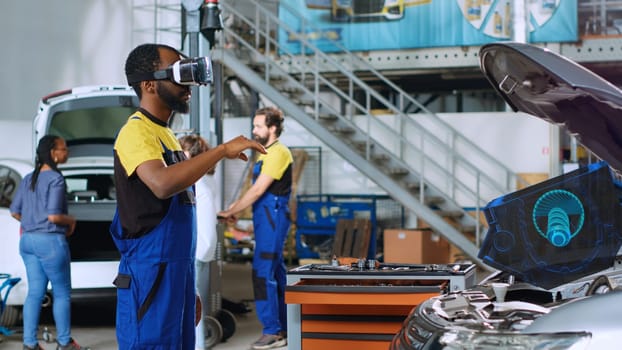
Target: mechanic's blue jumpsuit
{"type": "Point", "coordinates": [271, 222]}
{"type": "Point", "coordinates": [156, 282]}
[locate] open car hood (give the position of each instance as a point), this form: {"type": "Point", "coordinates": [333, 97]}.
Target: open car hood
{"type": "Point", "coordinates": [570, 226]}
{"type": "Point", "coordinates": [546, 85]}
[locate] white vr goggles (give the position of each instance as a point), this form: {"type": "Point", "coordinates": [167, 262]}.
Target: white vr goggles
{"type": "Point", "coordinates": [187, 71]}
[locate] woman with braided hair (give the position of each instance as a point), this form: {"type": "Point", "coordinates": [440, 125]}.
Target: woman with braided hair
{"type": "Point", "coordinates": [40, 205]}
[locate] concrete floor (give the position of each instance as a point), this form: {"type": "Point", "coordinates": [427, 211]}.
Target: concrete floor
{"type": "Point", "coordinates": [93, 325]}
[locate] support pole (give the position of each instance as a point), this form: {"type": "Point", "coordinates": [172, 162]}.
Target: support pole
{"type": "Point", "coordinates": [192, 20]}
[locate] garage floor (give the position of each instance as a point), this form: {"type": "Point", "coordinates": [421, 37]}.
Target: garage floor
{"type": "Point", "coordinates": [93, 325]}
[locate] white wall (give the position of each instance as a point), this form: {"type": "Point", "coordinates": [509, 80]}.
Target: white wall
{"type": "Point", "coordinates": [16, 139]}
{"type": "Point", "coordinates": [54, 45]}
{"type": "Point", "coordinates": [518, 140]}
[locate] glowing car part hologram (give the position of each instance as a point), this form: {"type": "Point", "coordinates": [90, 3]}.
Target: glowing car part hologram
{"type": "Point", "coordinates": [561, 211]}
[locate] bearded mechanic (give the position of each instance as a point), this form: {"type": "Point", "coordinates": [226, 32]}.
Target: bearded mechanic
{"type": "Point", "coordinates": [269, 197]}
{"type": "Point", "coordinates": [154, 225]}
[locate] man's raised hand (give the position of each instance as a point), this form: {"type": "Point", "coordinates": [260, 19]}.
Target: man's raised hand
{"type": "Point", "coordinates": [235, 148]}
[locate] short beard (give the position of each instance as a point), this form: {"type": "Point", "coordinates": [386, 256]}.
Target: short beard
{"type": "Point", "coordinates": [262, 140]}
{"type": "Point", "coordinates": [175, 103]}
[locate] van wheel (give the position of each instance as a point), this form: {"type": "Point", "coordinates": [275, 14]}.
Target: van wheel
{"type": "Point", "coordinates": [7, 186]}
{"type": "Point", "coordinates": [228, 322]}
{"type": "Point", "coordinates": [11, 316]}
{"type": "Point", "coordinates": [213, 331]}
{"type": "Point", "coordinates": [47, 335]}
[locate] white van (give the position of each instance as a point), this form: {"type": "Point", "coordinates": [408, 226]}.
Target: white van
{"type": "Point", "coordinates": [88, 118]}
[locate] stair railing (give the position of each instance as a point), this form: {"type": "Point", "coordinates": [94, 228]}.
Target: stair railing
{"type": "Point", "coordinates": [438, 162]}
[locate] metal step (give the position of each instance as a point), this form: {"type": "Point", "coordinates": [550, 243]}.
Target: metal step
{"type": "Point", "coordinates": [380, 157]}
{"type": "Point", "coordinates": [304, 101]}
{"type": "Point", "coordinates": [337, 129]}
{"type": "Point", "coordinates": [397, 172]}
{"type": "Point", "coordinates": [454, 214]}
{"type": "Point", "coordinates": [277, 78]}
{"type": "Point", "coordinates": [327, 117]}
{"type": "Point", "coordinates": [292, 90]}
{"type": "Point", "coordinates": [434, 201]}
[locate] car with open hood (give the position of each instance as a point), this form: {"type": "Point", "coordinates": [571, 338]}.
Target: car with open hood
{"type": "Point", "coordinates": [88, 118]}
{"type": "Point", "coordinates": [555, 245]}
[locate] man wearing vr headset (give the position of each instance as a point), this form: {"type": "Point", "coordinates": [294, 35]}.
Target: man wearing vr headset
{"type": "Point", "coordinates": [154, 226]}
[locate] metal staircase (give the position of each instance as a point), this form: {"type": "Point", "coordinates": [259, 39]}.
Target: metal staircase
{"type": "Point", "coordinates": [419, 160]}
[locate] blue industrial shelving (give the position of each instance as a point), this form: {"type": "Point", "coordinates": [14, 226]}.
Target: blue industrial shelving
{"type": "Point", "coordinates": [317, 217]}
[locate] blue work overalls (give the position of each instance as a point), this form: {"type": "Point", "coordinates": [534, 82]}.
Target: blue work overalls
{"type": "Point", "coordinates": [271, 222]}
{"type": "Point", "coordinates": [155, 285]}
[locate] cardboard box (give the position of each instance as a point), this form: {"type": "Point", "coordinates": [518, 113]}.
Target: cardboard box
{"type": "Point", "coordinates": [415, 246]}
{"type": "Point", "coordinates": [456, 254]}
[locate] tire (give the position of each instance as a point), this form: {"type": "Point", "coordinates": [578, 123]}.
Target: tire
{"type": "Point", "coordinates": [228, 323]}
{"type": "Point", "coordinates": [213, 331]}
{"type": "Point", "coordinates": [11, 316]}
{"type": "Point", "coordinates": [47, 336]}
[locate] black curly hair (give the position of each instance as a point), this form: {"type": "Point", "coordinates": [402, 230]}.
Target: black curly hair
{"type": "Point", "coordinates": [144, 58]}
{"type": "Point", "coordinates": [44, 156]}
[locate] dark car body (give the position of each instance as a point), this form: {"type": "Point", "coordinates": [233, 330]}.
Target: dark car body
{"type": "Point", "coordinates": [555, 244]}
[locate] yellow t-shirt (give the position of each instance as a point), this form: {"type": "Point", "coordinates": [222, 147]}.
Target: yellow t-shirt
{"type": "Point", "coordinates": [277, 164]}
{"type": "Point", "coordinates": [143, 138]}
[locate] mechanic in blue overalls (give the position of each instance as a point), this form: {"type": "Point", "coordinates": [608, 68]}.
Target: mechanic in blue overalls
{"type": "Point", "coordinates": [154, 226]}
{"type": "Point", "coordinates": [269, 196]}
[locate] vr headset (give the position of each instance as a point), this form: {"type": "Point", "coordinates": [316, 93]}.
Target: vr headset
{"type": "Point", "coordinates": [187, 71]}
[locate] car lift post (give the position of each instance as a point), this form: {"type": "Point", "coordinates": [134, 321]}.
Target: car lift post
{"type": "Point", "coordinates": [203, 17]}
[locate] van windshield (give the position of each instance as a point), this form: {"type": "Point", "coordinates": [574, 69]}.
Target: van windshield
{"type": "Point", "coordinates": [92, 125]}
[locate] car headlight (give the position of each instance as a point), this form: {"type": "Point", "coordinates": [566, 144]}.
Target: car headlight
{"type": "Point", "coordinates": [464, 339]}
{"type": "Point", "coordinates": [388, 3]}
{"type": "Point", "coordinates": [416, 331]}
